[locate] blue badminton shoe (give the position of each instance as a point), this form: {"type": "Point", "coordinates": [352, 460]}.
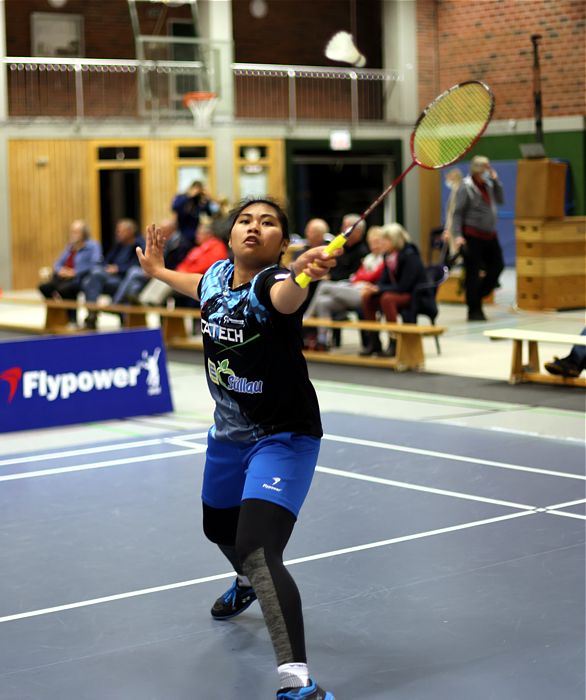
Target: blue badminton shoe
{"type": "Point", "coordinates": [234, 601]}
{"type": "Point", "coordinates": [310, 692]}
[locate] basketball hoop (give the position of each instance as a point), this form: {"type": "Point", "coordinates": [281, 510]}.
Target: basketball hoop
{"type": "Point", "coordinates": [201, 105]}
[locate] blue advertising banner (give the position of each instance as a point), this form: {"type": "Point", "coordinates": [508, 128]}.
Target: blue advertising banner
{"type": "Point", "coordinates": [75, 379]}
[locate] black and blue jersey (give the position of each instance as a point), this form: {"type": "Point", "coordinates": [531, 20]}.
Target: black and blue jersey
{"type": "Point", "coordinates": [255, 368]}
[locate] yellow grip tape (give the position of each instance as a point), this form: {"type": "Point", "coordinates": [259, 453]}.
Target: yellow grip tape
{"type": "Point", "coordinates": [302, 278]}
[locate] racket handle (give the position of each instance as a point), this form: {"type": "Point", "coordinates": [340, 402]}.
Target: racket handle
{"type": "Point", "coordinates": [304, 279]}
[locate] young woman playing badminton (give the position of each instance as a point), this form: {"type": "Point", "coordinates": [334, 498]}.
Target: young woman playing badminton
{"type": "Point", "coordinates": [263, 447]}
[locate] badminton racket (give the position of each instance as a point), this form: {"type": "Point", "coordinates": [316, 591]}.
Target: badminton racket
{"type": "Point", "coordinates": [444, 132]}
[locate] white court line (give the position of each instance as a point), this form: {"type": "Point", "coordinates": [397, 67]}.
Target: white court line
{"type": "Point", "coordinates": [300, 560]}
{"type": "Point", "coordinates": [81, 451]}
{"type": "Point", "coordinates": [100, 448]}
{"type": "Point", "coordinates": [555, 509]}
{"type": "Point", "coordinates": [563, 513]}
{"type": "Point", "coordinates": [567, 504]}
{"type": "Point", "coordinates": [180, 442]}
{"type": "Point", "coordinates": [452, 457]}
{"type": "Point", "coordinates": [426, 489]}
{"type": "Point", "coordinates": [190, 436]}
{"type": "Point", "coordinates": [194, 449]}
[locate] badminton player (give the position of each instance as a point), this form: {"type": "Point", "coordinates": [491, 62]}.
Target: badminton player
{"type": "Point", "coordinates": [263, 446]}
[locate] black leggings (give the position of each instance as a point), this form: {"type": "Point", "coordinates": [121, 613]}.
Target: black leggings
{"type": "Point", "coordinates": [253, 536]}
{"type": "Point", "coordinates": [481, 255]}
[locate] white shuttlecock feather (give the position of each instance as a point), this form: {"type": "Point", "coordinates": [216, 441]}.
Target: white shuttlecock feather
{"type": "Point", "coordinates": [341, 48]}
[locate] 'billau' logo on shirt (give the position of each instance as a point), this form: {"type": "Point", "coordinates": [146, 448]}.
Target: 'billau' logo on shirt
{"type": "Point", "coordinates": [222, 375]}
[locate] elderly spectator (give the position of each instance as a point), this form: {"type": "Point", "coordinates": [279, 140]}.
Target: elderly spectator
{"type": "Point", "coordinates": [334, 299]}
{"type": "Point", "coordinates": [403, 270]}
{"type": "Point", "coordinates": [317, 232]}
{"type": "Point", "coordinates": [474, 231]}
{"type": "Point", "coordinates": [72, 266]}
{"type": "Point", "coordinates": [135, 280]}
{"type": "Point", "coordinates": [107, 277]}
{"type": "Point", "coordinates": [347, 264]}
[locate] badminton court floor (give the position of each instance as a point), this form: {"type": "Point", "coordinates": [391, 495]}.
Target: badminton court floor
{"type": "Point", "coordinates": [434, 561]}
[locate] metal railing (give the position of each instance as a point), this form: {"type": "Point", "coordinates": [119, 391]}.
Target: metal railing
{"type": "Point", "coordinates": [306, 93]}
{"type": "Point", "coordinates": [98, 88]}
{"type": "Point", "coordinates": [78, 88]}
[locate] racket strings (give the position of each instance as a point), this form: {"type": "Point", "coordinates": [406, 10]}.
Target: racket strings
{"type": "Point", "coordinates": [451, 124]}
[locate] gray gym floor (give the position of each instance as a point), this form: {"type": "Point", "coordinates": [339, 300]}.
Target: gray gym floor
{"type": "Point", "coordinates": [436, 560]}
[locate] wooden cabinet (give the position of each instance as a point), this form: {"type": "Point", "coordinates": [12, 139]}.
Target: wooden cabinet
{"type": "Point", "coordinates": [541, 187]}
{"type": "Point", "coordinates": [551, 263]}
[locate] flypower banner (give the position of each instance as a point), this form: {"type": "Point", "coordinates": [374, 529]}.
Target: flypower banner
{"type": "Point", "coordinates": [75, 379]}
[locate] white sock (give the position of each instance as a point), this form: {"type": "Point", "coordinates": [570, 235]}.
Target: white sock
{"type": "Point", "coordinates": [294, 675]}
{"type": "Point", "coordinates": [244, 581]}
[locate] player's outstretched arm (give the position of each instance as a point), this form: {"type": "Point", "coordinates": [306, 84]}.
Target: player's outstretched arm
{"type": "Point", "coordinates": [287, 296]}
{"type": "Point", "coordinates": [152, 262]}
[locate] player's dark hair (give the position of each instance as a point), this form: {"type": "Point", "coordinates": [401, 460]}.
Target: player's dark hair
{"type": "Point", "coordinates": [279, 212]}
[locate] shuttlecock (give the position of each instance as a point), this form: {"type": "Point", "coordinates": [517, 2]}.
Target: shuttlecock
{"type": "Point", "coordinates": [341, 48]}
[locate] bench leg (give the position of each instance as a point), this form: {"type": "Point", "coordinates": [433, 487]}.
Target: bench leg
{"type": "Point", "coordinates": [135, 319]}
{"type": "Point", "coordinates": [173, 328]}
{"type": "Point", "coordinates": [56, 319]}
{"type": "Point", "coordinates": [517, 363]}
{"type": "Point", "coordinates": [533, 356]}
{"type": "Point", "coordinates": [409, 352]}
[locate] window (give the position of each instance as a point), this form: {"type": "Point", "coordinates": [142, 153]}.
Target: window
{"type": "Point", "coordinates": [56, 35]}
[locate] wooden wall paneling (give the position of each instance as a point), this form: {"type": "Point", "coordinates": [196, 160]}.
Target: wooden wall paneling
{"type": "Point", "coordinates": [278, 184]}
{"type": "Point", "coordinates": [160, 180]}
{"type": "Point", "coordinates": [274, 161]}
{"type": "Point", "coordinates": [48, 190]}
{"type": "Point", "coordinates": [17, 211]}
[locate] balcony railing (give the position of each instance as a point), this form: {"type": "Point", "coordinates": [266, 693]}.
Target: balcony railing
{"type": "Point", "coordinates": [304, 93]}
{"type": "Point", "coordinates": [78, 89]}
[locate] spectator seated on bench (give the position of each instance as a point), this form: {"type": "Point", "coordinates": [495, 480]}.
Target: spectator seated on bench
{"type": "Point", "coordinates": [73, 265]}
{"type": "Point", "coordinates": [335, 298]}
{"type": "Point", "coordinates": [571, 366]}
{"type": "Point", "coordinates": [133, 281]}
{"type": "Point", "coordinates": [107, 276]}
{"type": "Point", "coordinates": [423, 299]}
{"type": "Point", "coordinates": [403, 272]}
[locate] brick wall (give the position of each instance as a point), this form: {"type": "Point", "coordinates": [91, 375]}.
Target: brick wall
{"type": "Point", "coordinates": [490, 40]}
{"type": "Point", "coordinates": [295, 32]}
{"type": "Point", "coordinates": [107, 27]}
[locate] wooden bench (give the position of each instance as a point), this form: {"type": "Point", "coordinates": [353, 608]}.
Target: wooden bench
{"type": "Point", "coordinates": [530, 370]}
{"type": "Point", "coordinates": [56, 318]}
{"type": "Point", "coordinates": [409, 353]}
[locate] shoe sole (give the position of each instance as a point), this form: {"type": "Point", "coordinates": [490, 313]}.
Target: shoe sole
{"type": "Point", "coordinates": [558, 372]}
{"type": "Point", "coordinates": [221, 618]}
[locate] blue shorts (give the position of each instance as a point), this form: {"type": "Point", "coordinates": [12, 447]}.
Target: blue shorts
{"type": "Point", "coordinates": [278, 468]}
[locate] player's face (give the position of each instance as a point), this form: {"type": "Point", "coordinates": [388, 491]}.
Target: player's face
{"type": "Point", "coordinates": [257, 236]}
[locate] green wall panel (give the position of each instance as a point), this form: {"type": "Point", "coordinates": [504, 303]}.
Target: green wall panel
{"type": "Point", "coordinates": [567, 145]}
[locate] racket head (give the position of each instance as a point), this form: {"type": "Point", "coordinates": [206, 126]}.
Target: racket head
{"type": "Point", "coordinates": [450, 126]}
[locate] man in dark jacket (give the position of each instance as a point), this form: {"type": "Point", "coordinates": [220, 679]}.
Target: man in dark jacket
{"type": "Point", "coordinates": [106, 277]}
{"type": "Point", "coordinates": [403, 271]}
{"type": "Point", "coordinates": [474, 230]}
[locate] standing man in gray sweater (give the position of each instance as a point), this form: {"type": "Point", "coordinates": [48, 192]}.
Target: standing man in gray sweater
{"type": "Point", "coordinates": [474, 230]}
